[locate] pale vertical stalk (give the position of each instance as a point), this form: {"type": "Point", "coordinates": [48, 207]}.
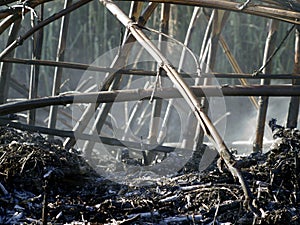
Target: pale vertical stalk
{"type": "Point", "coordinates": [195, 129]}
{"type": "Point", "coordinates": [133, 116]}
{"type": "Point", "coordinates": [219, 19]}
{"type": "Point", "coordinates": [5, 70]}
{"type": "Point", "coordinates": [60, 55]}
{"type": "Point", "coordinates": [294, 102]}
{"type": "Point", "coordinates": [188, 36]}
{"type": "Point", "coordinates": [190, 127]}
{"type": "Point", "coordinates": [204, 56]}
{"type": "Point", "coordinates": [105, 30]}
{"type": "Point", "coordinates": [135, 12]}
{"type": "Point", "coordinates": [264, 100]}
{"type": "Point", "coordinates": [157, 103]}
{"type": "Point", "coordinates": [35, 69]}
{"type": "Point", "coordinates": [174, 20]}
{"type": "Point", "coordinates": [138, 56]}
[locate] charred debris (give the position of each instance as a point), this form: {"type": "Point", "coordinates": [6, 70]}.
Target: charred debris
{"type": "Point", "coordinates": [32, 168]}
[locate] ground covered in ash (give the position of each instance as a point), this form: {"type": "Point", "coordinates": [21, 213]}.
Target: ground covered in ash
{"type": "Point", "coordinates": [42, 182]}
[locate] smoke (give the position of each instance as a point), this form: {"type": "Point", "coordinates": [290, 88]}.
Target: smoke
{"type": "Point", "coordinates": [242, 121]}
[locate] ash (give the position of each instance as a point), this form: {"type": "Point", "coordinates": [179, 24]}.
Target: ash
{"type": "Point", "coordinates": [42, 182]}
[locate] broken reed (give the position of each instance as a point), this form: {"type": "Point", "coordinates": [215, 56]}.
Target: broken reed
{"type": "Point", "coordinates": [244, 33]}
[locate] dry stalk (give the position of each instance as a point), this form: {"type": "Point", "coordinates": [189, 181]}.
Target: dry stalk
{"type": "Point", "coordinates": [268, 11]}
{"type": "Point", "coordinates": [294, 101]}
{"type": "Point", "coordinates": [144, 94]}
{"type": "Point", "coordinates": [140, 72]}
{"type": "Point", "coordinates": [264, 100]}
{"type": "Point", "coordinates": [5, 68]}
{"type": "Point", "coordinates": [58, 73]}
{"type": "Point", "coordinates": [188, 95]}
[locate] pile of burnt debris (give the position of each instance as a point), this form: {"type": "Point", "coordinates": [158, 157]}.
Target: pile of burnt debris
{"type": "Point", "coordinates": [42, 182]}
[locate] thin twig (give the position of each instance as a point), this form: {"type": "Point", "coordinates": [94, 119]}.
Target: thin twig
{"type": "Point", "coordinates": [3, 189]}
{"type": "Point", "coordinates": [275, 51]}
